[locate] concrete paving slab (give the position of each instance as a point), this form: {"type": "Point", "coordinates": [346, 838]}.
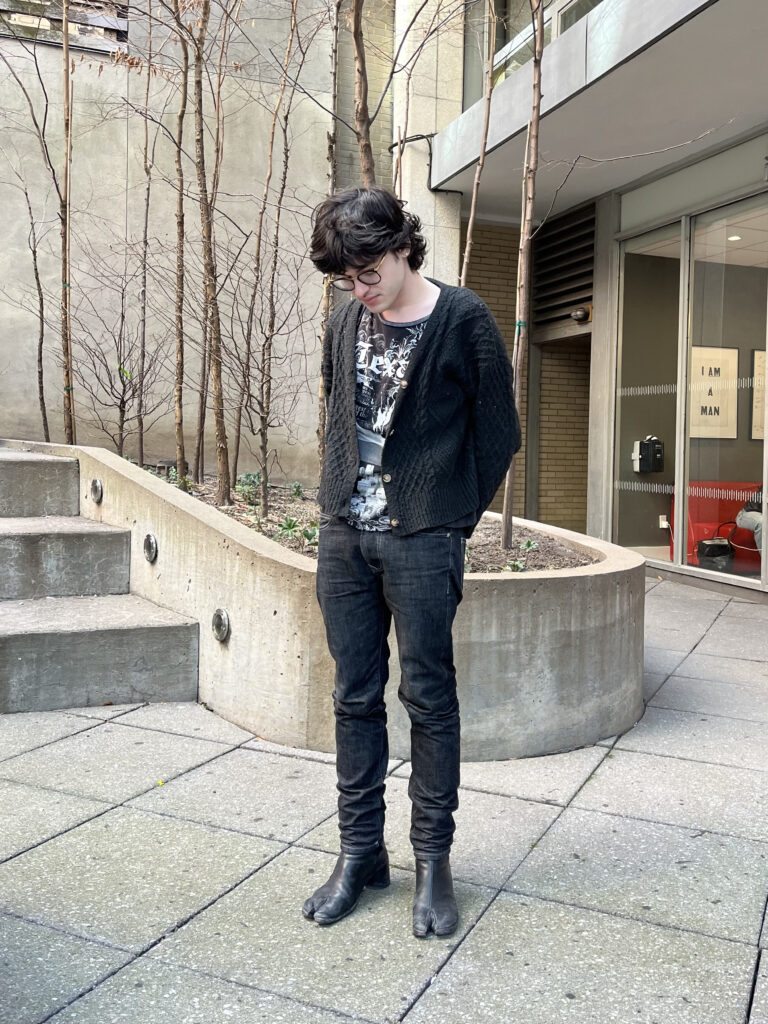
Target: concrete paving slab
{"type": "Point", "coordinates": [148, 992]}
{"type": "Point", "coordinates": [732, 801]}
{"type": "Point", "coordinates": [485, 856]}
{"type": "Point", "coordinates": [652, 683]}
{"type": "Point", "coordinates": [19, 733]}
{"type": "Point", "coordinates": [325, 757]}
{"type": "Point", "coordinates": [42, 969]}
{"type": "Point", "coordinates": [662, 661]}
{"type": "Point", "coordinates": [747, 610]}
{"type": "Point", "coordinates": [700, 737]}
{"type": "Point", "coordinates": [128, 877]}
{"type": "Point", "coordinates": [662, 874]}
{"type": "Point", "coordinates": [738, 638]}
{"type": "Point", "coordinates": [104, 713]}
{"type": "Point", "coordinates": [109, 762]}
{"type": "Point", "coordinates": [685, 594]}
{"type": "Point", "coordinates": [367, 965]}
{"type": "Point", "coordinates": [675, 635]}
{"type": "Point", "coordinates": [551, 779]}
{"type": "Point", "coordinates": [759, 1014]}
{"type": "Point", "coordinates": [727, 670]}
{"type": "Point", "coordinates": [541, 963]}
{"type": "Point", "coordinates": [277, 748]}
{"type": "Point", "coordinates": [673, 613]}
{"type": "Point", "coordinates": [730, 700]}
{"type": "Point", "coordinates": [31, 815]}
{"type": "Point", "coordinates": [186, 719]}
{"type": "Point", "coordinates": [258, 793]}
{"type": "Point", "coordinates": [610, 742]}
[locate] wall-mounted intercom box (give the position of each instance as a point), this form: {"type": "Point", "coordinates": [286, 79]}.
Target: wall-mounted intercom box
{"type": "Point", "coordinates": [648, 455]}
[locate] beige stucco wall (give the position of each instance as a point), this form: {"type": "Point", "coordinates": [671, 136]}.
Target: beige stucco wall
{"type": "Point", "coordinates": [108, 202]}
{"type": "Point", "coordinates": [425, 99]}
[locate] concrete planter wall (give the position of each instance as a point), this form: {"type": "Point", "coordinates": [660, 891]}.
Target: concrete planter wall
{"type": "Point", "coordinates": [547, 661]}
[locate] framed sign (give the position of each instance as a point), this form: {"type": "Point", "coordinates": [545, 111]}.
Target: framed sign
{"type": "Point", "coordinates": [714, 391]}
{"type": "Point", "coordinates": [758, 394]}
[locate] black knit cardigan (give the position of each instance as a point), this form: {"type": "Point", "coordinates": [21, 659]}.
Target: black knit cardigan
{"type": "Point", "coordinates": [454, 427]}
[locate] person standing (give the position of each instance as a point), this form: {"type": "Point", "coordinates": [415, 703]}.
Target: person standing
{"type": "Point", "coordinates": [421, 426]}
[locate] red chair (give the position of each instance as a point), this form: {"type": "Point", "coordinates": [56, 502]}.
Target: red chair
{"type": "Point", "coordinates": [712, 509]}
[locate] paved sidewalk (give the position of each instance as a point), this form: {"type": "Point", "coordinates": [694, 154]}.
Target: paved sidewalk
{"type": "Point", "coordinates": [153, 862]}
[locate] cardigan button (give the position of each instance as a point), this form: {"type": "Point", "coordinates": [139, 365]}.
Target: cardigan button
{"type": "Point", "coordinates": [387, 478]}
{"type": "Point", "coordinates": [403, 383]}
{"type": "Point", "coordinates": [394, 522]}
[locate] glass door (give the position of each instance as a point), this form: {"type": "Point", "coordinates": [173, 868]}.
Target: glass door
{"type": "Point", "coordinates": [726, 404]}
{"type": "Point", "coordinates": [646, 408]}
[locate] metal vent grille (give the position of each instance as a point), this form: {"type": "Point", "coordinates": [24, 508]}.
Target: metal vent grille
{"type": "Point", "coordinates": [563, 271]}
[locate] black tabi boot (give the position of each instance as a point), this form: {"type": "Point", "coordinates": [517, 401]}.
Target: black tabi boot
{"type": "Point", "coordinates": [339, 896]}
{"type": "Point", "coordinates": [434, 905]}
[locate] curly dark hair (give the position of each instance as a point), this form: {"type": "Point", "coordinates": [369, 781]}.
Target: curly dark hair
{"type": "Point", "coordinates": [354, 227]}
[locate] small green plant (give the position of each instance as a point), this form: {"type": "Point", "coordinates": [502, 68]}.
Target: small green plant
{"type": "Point", "coordinates": [173, 475]}
{"type": "Point", "coordinates": [289, 528]}
{"type": "Point", "coordinates": [310, 535]}
{"type": "Point", "coordinates": [248, 487]}
{"type": "Point", "coordinates": [519, 564]}
{"type": "Point", "coordinates": [297, 491]}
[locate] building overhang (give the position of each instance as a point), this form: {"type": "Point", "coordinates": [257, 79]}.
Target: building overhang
{"type": "Point", "coordinates": [625, 97]}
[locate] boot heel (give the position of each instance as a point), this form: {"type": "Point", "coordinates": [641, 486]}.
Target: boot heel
{"type": "Point", "coordinates": [380, 878]}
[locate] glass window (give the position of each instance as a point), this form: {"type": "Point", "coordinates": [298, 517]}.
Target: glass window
{"type": "Point", "coordinates": [575, 12]}
{"type": "Point", "coordinates": [93, 24]}
{"type": "Point", "coordinates": [726, 387]}
{"type": "Point", "coordinates": [513, 43]}
{"type": "Point", "coordinates": [646, 408]}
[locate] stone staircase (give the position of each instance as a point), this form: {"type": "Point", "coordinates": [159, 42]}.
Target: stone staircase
{"type": "Point", "coordinates": [71, 633]}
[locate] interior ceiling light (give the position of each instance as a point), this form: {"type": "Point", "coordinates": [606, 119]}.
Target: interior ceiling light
{"type": "Point", "coordinates": [734, 238]}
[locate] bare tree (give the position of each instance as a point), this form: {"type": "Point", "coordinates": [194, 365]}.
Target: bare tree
{"type": "Point", "coordinates": [178, 390]}
{"type": "Point", "coordinates": [38, 108]}
{"type": "Point", "coordinates": [33, 243]}
{"type": "Point", "coordinates": [523, 291]}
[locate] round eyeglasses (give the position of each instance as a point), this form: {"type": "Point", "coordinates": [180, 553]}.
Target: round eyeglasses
{"type": "Point", "coordinates": [347, 283]}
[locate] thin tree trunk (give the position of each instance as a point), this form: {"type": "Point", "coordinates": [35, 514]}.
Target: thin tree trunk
{"type": "Point", "coordinates": [362, 115]}
{"type": "Point", "coordinates": [245, 384]}
{"type": "Point", "coordinates": [483, 143]}
{"type": "Point", "coordinates": [223, 487]}
{"type": "Point", "coordinates": [327, 305]}
{"type": "Point", "coordinates": [64, 207]}
{"type": "Point", "coordinates": [269, 336]}
{"type": "Point", "coordinates": [202, 403]}
{"type": "Point", "coordinates": [144, 250]}
{"type": "Point", "coordinates": [523, 305]}
{"type": "Point", "coordinates": [40, 317]}
{"type": "Point", "coordinates": [178, 389]}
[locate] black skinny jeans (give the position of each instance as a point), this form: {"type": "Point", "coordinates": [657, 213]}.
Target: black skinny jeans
{"type": "Point", "coordinates": [364, 580]}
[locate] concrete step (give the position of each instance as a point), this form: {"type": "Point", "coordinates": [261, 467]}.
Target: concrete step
{"type": "Point", "coordinates": [62, 556]}
{"type": "Point", "coordinates": [86, 651]}
{"type": "Point", "coordinates": [38, 485]}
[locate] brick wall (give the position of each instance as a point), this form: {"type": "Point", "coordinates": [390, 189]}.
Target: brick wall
{"type": "Point", "coordinates": [564, 434]}
{"type": "Point", "coordinates": [378, 31]}
{"type": "Point", "coordinates": [492, 276]}
{"type": "Point", "coordinates": [564, 388]}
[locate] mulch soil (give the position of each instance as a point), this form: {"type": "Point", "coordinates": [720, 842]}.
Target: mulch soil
{"type": "Point", "coordinates": [293, 515]}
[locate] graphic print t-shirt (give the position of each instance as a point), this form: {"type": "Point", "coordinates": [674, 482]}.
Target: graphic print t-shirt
{"type": "Point", "coordinates": [382, 353]}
